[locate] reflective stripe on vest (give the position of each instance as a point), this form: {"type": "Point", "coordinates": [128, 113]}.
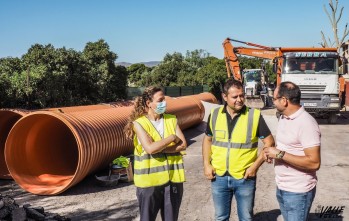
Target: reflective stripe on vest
{"type": "Point", "coordinates": [159, 156]}
{"type": "Point", "coordinates": [239, 152]}
{"type": "Point", "coordinates": [157, 169]}
{"type": "Point", "coordinates": [247, 144]}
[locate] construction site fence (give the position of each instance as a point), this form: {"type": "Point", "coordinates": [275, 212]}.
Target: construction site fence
{"type": "Point", "coordinates": [170, 91]}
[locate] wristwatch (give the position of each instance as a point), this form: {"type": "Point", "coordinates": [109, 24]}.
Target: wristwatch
{"type": "Point", "coordinates": [280, 155]}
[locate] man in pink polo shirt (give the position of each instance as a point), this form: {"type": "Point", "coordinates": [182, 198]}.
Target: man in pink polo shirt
{"type": "Point", "coordinates": [296, 155]}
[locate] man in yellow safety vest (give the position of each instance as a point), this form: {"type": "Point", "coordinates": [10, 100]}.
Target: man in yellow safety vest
{"type": "Point", "coordinates": [230, 152]}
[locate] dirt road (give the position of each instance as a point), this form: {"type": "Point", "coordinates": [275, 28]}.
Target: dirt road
{"type": "Point", "coordinates": [86, 201]}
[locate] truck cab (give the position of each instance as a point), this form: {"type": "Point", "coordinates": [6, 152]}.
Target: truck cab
{"type": "Point", "coordinates": [316, 73]}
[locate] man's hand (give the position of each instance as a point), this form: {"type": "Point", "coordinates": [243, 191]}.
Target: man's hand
{"type": "Point", "coordinates": [209, 172]}
{"type": "Point", "coordinates": [266, 158]}
{"type": "Point", "coordinates": [271, 152]}
{"type": "Point", "coordinates": [250, 172]}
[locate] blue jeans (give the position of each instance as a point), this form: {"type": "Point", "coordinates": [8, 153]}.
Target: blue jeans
{"type": "Point", "coordinates": [223, 190]}
{"type": "Point", "coordinates": [295, 206]}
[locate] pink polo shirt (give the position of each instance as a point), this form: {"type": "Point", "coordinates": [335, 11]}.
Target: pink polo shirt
{"type": "Point", "coordinates": [294, 134]}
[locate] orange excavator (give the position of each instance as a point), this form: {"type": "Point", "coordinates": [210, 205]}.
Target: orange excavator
{"type": "Point", "coordinates": [314, 70]}
{"type": "Point", "coordinates": [255, 81]}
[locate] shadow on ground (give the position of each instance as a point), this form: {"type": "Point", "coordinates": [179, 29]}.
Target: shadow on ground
{"type": "Point", "coordinates": [273, 215]}
{"type": "Point", "coordinates": [107, 214]}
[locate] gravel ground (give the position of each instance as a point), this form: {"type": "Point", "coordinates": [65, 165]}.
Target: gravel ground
{"type": "Point", "coordinates": [87, 201]}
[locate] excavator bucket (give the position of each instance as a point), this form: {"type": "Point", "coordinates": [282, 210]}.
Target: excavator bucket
{"type": "Point", "coordinates": [255, 102]}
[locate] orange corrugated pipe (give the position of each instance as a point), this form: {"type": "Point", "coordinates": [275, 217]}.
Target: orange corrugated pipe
{"type": "Point", "coordinates": [188, 109]}
{"type": "Point", "coordinates": [57, 150]}
{"type": "Point", "coordinates": [8, 117]}
{"type": "Point", "coordinates": [207, 97]}
{"type": "Point", "coordinates": [194, 111]}
{"type": "Point", "coordinates": [90, 107]}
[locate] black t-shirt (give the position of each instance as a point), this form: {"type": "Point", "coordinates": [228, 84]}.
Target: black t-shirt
{"type": "Point", "coordinates": [262, 130]}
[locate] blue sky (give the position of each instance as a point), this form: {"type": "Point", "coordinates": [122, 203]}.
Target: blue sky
{"type": "Point", "coordinates": [139, 31]}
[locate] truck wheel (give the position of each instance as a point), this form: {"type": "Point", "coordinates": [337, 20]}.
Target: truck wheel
{"type": "Point", "coordinates": [332, 118]}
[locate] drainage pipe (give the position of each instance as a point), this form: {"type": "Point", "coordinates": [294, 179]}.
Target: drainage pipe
{"type": "Point", "coordinates": [207, 97]}
{"type": "Point", "coordinates": [57, 150]}
{"type": "Point", "coordinates": [8, 117]}
{"type": "Point", "coordinates": [188, 109]}
{"type": "Point", "coordinates": [91, 107]}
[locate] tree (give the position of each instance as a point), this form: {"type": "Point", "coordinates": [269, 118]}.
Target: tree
{"type": "Point", "coordinates": [49, 77]}
{"type": "Point", "coordinates": [213, 74]}
{"type": "Point", "coordinates": [52, 77]}
{"type": "Point", "coordinates": [100, 64]}
{"type": "Point", "coordinates": [29, 88]}
{"type": "Point", "coordinates": [146, 79]}
{"type": "Point", "coordinates": [193, 62]}
{"type": "Point", "coordinates": [196, 58]}
{"type": "Point", "coordinates": [334, 19]}
{"type": "Point", "coordinates": [135, 73]}
{"type": "Point", "coordinates": [166, 73]}
{"type": "Point", "coordinates": [174, 70]}
{"type": "Point", "coordinates": [41, 83]}
{"type": "Point", "coordinates": [117, 85]}
{"type": "Point", "coordinates": [77, 83]}
{"type": "Point", "coordinates": [8, 67]}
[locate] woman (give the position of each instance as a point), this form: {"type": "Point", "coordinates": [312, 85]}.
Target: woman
{"type": "Point", "coordinates": [158, 164]}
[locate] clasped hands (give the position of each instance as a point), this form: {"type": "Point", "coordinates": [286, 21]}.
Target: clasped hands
{"type": "Point", "coordinates": [270, 153]}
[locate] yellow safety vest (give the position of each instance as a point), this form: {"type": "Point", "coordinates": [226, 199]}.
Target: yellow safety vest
{"type": "Point", "coordinates": [160, 168]}
{"type": "Point", "coordinates": [238, 153]}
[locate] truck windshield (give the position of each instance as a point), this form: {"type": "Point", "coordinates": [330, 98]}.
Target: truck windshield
{"type": "Point", "coordinates": [252, 75]}
{"type": "Point", "coordinates": [310, 65]}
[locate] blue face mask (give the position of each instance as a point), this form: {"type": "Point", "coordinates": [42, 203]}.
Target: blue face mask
{"type": "Point", "coordinates": [161, 107]}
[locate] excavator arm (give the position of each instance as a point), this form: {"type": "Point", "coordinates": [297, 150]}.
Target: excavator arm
{"type": "Point", "coordinates": [296, 60]}
{"type": "Point", "coordinates": [253, 90]}
{"type": "Point", "coordinates": [232, 61]}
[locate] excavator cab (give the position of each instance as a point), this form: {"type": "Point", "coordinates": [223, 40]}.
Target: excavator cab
{"type": "Point", "coordinates": [256, 83]}
{"type": "Point", "coordinates": [252, 81]}
{"type": "Point", "coordinates": [255, 88]}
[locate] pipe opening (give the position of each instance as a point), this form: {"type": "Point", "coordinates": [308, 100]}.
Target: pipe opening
{"type": "Point", "coordinates": [44, 152]}
{"type": "Point", "coordinates": [7, 120]}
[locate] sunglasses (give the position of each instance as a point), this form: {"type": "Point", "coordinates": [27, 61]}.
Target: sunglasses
{"type": "Point", "coordinates": [276, 98]}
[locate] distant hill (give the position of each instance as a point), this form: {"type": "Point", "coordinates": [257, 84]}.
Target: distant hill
{"type": "Point", "coordinates": [125, 64]}
{"type": "Point", "coordinates": [148, 63]}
